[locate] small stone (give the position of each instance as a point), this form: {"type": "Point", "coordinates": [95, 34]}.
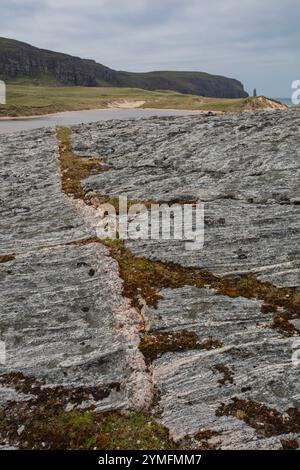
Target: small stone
{"type": "Point", "coordinates": [20, 430]}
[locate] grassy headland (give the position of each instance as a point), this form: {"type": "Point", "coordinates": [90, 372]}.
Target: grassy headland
{"type": "Point", "coordinates": [29, 100]}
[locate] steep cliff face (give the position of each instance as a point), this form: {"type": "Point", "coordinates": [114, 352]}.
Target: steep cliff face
{"type": "Point", "coordinates": [195, 83]}
{"type": "Point", "coordinates": [19, 60]}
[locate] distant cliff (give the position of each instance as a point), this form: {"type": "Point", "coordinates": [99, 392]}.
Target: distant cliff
{"type": "Point", "coordinates": [20, 61]}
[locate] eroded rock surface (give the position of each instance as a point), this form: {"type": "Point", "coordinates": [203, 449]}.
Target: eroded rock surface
{"type": "Point", "coordinates": [220, 367]}
{"type": "Point", "coordinates": [246, 170]}
{"type": "Point", "coordinates": [61, 294]}
{"type": "Point", "coordinates": [254, 363]}
{"type": "Point", "coordinates": [34, 211]}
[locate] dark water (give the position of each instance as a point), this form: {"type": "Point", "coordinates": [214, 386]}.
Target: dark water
{"type": "Point", "coordinates": [78, 117]}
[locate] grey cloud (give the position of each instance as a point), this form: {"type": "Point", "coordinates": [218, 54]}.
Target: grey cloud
{"type": "Point", "coordinates": [254, 41]}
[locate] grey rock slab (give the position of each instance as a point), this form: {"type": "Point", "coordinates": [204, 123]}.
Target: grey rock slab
{"type": "Point", "coordinates": [62, 314]}
{"type": "Point", "coordinates": [57, 320]}
{"type": "Point", "coordinates": [33, 210]}
{"type": "Point", "coordinates": [259, 358]}
{"type": "Point", "coordinates": [239, 238]}
{"type": "Point", "coordinates": [244, 167]}
{"type": "Point", "coordinates": [245, 156]}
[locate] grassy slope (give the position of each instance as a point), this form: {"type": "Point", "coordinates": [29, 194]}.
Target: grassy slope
{"type": "Point", "coordinates": [28, 100]}
{"type": "Point", "coordinates": [66, 70]}
{"type": "Point", "coordinates": [196, 83]}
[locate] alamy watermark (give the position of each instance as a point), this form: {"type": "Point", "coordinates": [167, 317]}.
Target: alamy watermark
{"type": "Point", "coordinates": [2, 92]}
{"type": "Point", "coordinates": [183, 222]}
{"type": "Point", "coordinates": [296, 93]}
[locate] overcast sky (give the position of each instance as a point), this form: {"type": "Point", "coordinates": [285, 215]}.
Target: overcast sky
{"type": "Point", "coordinates": [255, 41]}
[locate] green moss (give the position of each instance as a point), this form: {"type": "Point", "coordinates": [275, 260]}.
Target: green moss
{"type": "Point", "coordinates": [74, 168]}
{"type": "Point", "coordinates": [91, 443]}
{"type": "Point", "coordinates": [48, 425]}
{"type": "Point", "coordinates": [83, 430]}
{"type": "Point", "coordinates": [76, 419]}
{"type": "Point", "coordinates": [135, 431]}
{"type": "Point", "coordinates": [145, 278]}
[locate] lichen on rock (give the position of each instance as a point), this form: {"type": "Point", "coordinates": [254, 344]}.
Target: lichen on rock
{"type": "Point", "coordinates": [105, 336]}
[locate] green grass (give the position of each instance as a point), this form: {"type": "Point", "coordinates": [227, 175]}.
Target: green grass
{"type": "Point", "coordinates": [78, 420]}
{"type": "Point", "coordinates": [135, 431]}
{"type": "Point", "coordinates": [28, 100]}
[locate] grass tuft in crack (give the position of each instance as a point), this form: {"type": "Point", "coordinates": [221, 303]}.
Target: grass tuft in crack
{"type": "Point", "coordinates": [74, 168]}
{"type": "Point", "coordinates": [144, 278]}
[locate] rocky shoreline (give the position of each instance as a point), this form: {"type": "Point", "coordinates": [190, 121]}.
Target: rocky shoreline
{"type": "Point", "coordinates": [201, 342]}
